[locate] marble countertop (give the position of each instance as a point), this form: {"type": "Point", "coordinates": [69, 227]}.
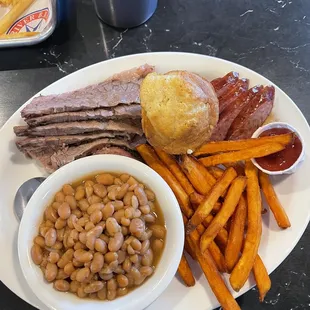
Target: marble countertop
{"type": "Point", "coordinates": [271, 37]}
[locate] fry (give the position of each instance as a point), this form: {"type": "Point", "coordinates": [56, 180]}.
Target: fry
{"type": "Point", "coordinates": [273, 201]}
{"type": "Point", "coordinates": [216, 253]}
{"type": "Point", "coordinates": [208, 266]}
{"type": "Point", "coordinates": [201, 229]}
{"type": "Point", "coordinates": [187, 248]}
{"type": "Point", "coordinates": [196, 199]}
{"type": "Point", "coordinates": [239, 167]}
{"type": "Point", "coordinates": [237, 145]}
{"type": "Point", "coordinates": [245, 264]}
{"type": "Point", "coordinates": [221, 239]}
{"type": "Point", "coordinates": [184, 269]}
{"type": "Point", "coordinates": [186, 245]}
{"type": "Point", "coordinates": [218, 257]}
{"type": "Point", "coordinates": [185, 272]}
{"type": "Point", "coordinates": [213, 276]}
{"type": "Point", "coordinates": [207, 205]}
{"type": "Point", "coordinates": [150, 157]}
{"type": "Point", "coordinates": [222, 236]}
{"type": "Point", "coordinates": [253, 152]}
{"type": "Point", "coordinates": [216, 172]}
{"type": "Point", "coordinates": [261, 277]}
{"type": "Point", "coordinates": [217, 207]}
{"type": "Point", "coordinates": [189, 251]}
{"type": "Point", "coordinates": [18, 35]}
{"type": "Point", "coordinates": [227, 225]}
{"type": "Point", "coordinates": [198, 175]}
{"type": "Point", "coordinates": [8, 19]}
{"type": "Point", "coordinates": [176, 170]}
{"type": "Point", "coordinates": [236, 235]}
{"type": "Point", "coordinates": [228, 208]}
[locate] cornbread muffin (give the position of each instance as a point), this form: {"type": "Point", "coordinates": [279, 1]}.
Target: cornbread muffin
{"type": "Point", "coordinates": [179, 110]}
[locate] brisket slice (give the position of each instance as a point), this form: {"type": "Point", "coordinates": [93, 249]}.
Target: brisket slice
{"type": "Point", "coordinates": [123, 88]}
{"type": "Point", "coordinates": [75, 128]}
{"type": "Point", "coordinates": [132, 111]}
{"type": "Point", "coordinates": [59, 141]}
{"type": "Point", "coordinates": [52, 160]}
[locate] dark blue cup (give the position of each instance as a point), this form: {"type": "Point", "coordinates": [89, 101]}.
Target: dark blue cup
{"type": "Point", "coordinates": [66, 12]}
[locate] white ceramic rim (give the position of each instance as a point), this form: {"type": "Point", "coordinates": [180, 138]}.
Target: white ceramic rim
{"type": "Point", "coordinates": [167, 267]}
{"type": "Point", "coordinates": [301, 157]}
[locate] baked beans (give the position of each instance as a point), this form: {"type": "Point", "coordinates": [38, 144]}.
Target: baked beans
{"type": "Point", "coordinates": [101, 237]}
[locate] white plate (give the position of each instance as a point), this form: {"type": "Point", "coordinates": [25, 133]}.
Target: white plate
{"type": "Point", "coordinates": [276, 244]}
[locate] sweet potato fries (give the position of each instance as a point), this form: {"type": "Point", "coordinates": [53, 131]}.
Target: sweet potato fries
{"type": "Point", "coordinates": [221, 210]}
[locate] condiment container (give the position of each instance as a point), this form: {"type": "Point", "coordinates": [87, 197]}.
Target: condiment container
{"type": "Point", "coordinates": [43, 16]}
{"type": "Point", "coordinates": [288, 155]}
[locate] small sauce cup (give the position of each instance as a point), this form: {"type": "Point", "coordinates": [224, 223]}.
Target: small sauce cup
{"type": "Point", "coordinates": [283, 162]}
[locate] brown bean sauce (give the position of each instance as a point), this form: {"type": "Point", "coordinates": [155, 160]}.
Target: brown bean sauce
{"type": "Point", "coordinates": [284, 159]}
{"type": "Point", "coordinates": [77, 253]}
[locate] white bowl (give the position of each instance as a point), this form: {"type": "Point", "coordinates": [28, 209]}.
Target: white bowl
{"type": "Point", "coordinates": [140, 297]}
{"type": "Point", "coordinates": [301, 157]}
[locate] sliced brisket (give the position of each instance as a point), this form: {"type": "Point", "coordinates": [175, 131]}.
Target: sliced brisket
{"type": "Point", "coordinates": [59, 141]}
{"type": "Point", "coordinates": [69, 154]}
{"type": "Point", "coordinates": [123, 88]}
{"type": "Point", "coordinates": [76, 128]}
{"type": "Point", "coordinates": [52, 160]}
{"type": "Point", "coordinates": [132, 111]}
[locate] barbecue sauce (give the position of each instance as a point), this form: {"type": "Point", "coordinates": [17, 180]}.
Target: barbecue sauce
{"type": "Point", "coordinates": [284, 159]}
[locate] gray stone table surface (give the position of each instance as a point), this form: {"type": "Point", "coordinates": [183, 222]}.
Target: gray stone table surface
{"type": "Point", "coordinates": [271, 37]}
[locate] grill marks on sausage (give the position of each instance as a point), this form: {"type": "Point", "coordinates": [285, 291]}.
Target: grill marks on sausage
{"type": "Point", "coordinates": [252, 115]}
{"type": "Point", "coordinates": [232, 111]}
{"type": "Point", "coordinates": [223, 83]}
{"type": "Point", "coordinates": [242, 111]}
{"type": "Point", "coordinates": [232, 92]}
